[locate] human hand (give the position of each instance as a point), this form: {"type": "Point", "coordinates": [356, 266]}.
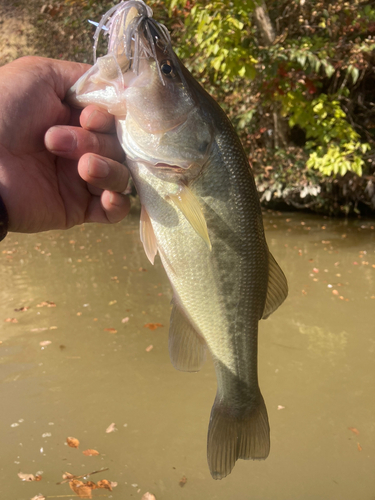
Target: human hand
{"type": "Point", "coordinates": [46, 180]}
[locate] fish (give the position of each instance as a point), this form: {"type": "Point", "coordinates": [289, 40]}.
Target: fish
{"type": "Point", "coordinates": [200, 212]}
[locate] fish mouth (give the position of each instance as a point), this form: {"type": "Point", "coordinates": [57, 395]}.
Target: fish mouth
{"type": "Point", "coordinates": [134, 37]}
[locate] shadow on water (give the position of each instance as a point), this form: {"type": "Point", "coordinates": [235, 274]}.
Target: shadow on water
{"type": "Point", "coordinates": [91, 291]}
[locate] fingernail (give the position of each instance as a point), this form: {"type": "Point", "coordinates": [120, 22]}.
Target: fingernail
{"type": "Point", "coordinates": [61, 139]}
{"type": "Point", "coordinates": [96, 120]}
{"type": "Point", "coordinates": [97, 167]}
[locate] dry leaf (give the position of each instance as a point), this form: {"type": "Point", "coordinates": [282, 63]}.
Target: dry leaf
{"type": "Point", "coordinates": [110, 330]}
{"type": "Point", "coordinates": [27, 477]}
{"type": "Point", "coordinates": [335, 292]}
{"type": "Point", "coordinates": [90, 453]}
{"type": "Point", "coordinates": [45, 343]}
{"type": "Point", "coordinates": [149, 348]}
{"type": "Point", "coordinates": [359, 447]}
{"type": "Point", "coordinates": [153, 326]}
{"type": "Point", "coordinates": [72, 442]}
{"type": "Point", "coordinates": [104, 483]}
{"type": "Point", "coordinates": [22, 309]}
{"type": "Point", "coordinates": [183, 481]}
{"type": "Point", "coordinates": [39, 497]}
{"type": "Point", "coordinates": [81, 489]}
{"type": "Point", "coordinates": [148, 496]}
{"type": "Point", "coordinates": [91, 485]}
{"type": "Point", "coordinates": [47, 303]}
{"type": "Point", "coordinates": [353, 429]}
{"type": "Point", "coordinates": [11, 320]}
{"type": "Point", "coordinates": [125, 320]}
{"type": "Point", "coordinates": [68, 475]}
{"type": "Point", "coordinates": [111, 428]}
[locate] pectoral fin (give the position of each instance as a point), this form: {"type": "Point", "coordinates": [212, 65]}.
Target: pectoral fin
{"type": "Point", "coordinates": [148, 236]}
{"type": "Point", "coordinates": [277, 287]}
{"type": "Point", "coordinates": [189, 206]}
{"type": "Point", "coordinates": [187, 348]}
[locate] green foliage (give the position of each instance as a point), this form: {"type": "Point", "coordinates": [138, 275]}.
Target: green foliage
{"type": "Point", "coordinates": [317, 58]}
{"type": "Point", "coordinates": [336, 147]}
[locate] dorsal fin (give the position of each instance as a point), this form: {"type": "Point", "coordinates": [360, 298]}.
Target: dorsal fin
{"type": "Point", "coordinates": [277, 287]}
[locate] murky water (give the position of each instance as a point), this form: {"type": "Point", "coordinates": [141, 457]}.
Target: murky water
{"type": "Point", "coordinates": [91, 291]}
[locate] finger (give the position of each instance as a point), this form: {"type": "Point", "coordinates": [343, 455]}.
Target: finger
{"type": "Point", "coordinates": [73, 142]}
{"type": "Point", "coordinates": [110, 208]}
{"type": "Point", "coordinates": [97, 119]}
{"type": "Point", "coordinates": [103, 173]}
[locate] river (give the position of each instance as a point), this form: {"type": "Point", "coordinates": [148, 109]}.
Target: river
{"type": "Point", "coordinates": [84, 344]}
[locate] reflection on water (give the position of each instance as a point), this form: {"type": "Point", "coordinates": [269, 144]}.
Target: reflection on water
{"type": "Point", "coordinates": [323, 342]}
{"type": "Point", "coordinates": [91, 291]}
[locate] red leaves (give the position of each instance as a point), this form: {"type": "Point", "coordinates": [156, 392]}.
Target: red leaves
{"type": "Point", "coordinates": [152, 326]}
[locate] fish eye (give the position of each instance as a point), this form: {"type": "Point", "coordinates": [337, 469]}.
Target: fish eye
{"type": "Point", "coordinates": [167, 68]}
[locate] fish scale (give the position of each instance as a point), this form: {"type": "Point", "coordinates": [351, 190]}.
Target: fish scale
{"type": "Point", "coordinates": [200, 213]}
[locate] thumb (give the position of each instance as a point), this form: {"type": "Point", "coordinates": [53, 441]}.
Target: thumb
{"type": "Point", "coordinates": [64, 74]}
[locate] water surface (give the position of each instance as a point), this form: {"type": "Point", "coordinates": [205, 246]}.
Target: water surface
{"type": "Point", "coordinates": [90, 292]}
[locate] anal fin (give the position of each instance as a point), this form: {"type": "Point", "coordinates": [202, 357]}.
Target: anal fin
{"type": "Point", "coordinates": [277, 287]}
{"type": "Point", "coordinates": [187, 349]}
{"type": "Point", "coordinates": [148, 237]}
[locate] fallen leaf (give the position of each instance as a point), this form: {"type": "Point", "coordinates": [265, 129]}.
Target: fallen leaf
{"type": "Point", "coordinates": [315, 270]}
{"type": "Point", "coordinates": [22, 309]}
{"type": "Point", "coordinates": [148, 496]}
{"type": "Point", "coordinates": [45, 343]}
{"type": "Point", "coordinates": [183, 481]}
{"type": "Point", "coordinates": [111, 428]}
{"type": "Point", "coordinates": [91, 485]}
{"type": "Point", "coordinates": [38, 329]}
{"type": "Point", "coordinates": [125, 320]}
{"type": "Point", "coordinates": [11, 320]}
{"type": "Point", "coordinates": [105, 484]}
{"type": "Point", "coordinates": [359, 447]}
{"type": "Point", "coordinates": [81, 489]}
{"type": "Point", "coordinates": [47, 303]}
{"type": "Point", "coordinates": [39, 497]}
{"type": "Point", "coordinates": [27, 477]}
{"type": "Point", "coordinates": [68, 475]}
{"type": "Point", "coordinates": [112, 302]}
{"type": "Point", "coordinates": [153, 326]}
{"type": "Point", "coordinates": [354, 430]}
{"type": "Point", "coordinates": [72, 442]}
{"type": "Point", "coordinates": [110, 330]}
{"type": "Point", "coordinates": [90, 453]}
{"type": "Point", "coordinates": [149, 348]}
{"type": "Point", "coordinates": [335, 292]}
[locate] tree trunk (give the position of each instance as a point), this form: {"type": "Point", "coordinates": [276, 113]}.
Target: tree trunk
{"type": "Point", "coordinates": [267, 37]}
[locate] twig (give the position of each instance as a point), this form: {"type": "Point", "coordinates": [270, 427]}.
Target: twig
{"type": "Point", "coordinates": [83, 475]}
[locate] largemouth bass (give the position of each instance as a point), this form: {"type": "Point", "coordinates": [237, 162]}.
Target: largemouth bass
{"type": "Point", "coordinates": [200, 212]}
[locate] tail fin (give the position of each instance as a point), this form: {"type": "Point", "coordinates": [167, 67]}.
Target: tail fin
{"type": "Point", "coordinates": [233, 435]}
